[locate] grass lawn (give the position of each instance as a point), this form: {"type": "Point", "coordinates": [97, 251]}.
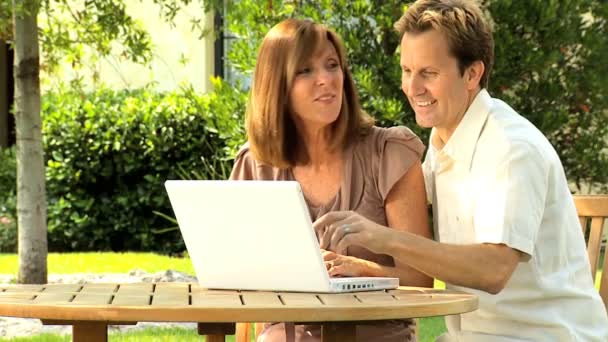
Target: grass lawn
{"type": "Point", "coordinates": [69, 263]}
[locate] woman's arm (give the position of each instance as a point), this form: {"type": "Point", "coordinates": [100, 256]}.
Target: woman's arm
{"type": "Point", "coordinates": [406, 210]}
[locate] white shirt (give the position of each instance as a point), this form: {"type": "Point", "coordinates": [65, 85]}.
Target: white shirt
{"type": "Point", "coordinates": [499, 180]}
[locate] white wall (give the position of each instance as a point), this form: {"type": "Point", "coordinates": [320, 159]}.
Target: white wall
{"type": "Point", "coordinates": [171, 45]}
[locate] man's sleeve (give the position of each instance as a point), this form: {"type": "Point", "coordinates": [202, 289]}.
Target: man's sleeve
{"type": "Point", "coordinates": [510, 207]}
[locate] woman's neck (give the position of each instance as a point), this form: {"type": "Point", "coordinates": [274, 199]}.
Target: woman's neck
{"type": "Point", "coordinates": [316, 143]}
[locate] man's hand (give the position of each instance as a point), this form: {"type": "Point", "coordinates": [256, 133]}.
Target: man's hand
{"type": "Point", "coordinates": [340, 229]}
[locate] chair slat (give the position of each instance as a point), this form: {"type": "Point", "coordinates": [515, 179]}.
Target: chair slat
{"type": "Point", "coordinates": [595, 208]}
{"type": "Point", "coordinates": [583, 221]}
{"type": "Point", "coordinates": [591, 205]}
{"type": "Point", "coordinates": [595, 242]}
{"type": "Point", "coordinates": [604, 282]}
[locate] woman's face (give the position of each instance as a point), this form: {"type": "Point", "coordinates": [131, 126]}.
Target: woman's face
{"type": "Point", "coordinates": [315, 97]}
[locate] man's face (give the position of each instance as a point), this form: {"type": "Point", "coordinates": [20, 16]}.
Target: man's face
{"type": "Point", "coordinates": [431, 80]}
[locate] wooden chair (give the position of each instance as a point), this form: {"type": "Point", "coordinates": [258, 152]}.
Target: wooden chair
{"type": "Point", "coordinates": [592, 212]}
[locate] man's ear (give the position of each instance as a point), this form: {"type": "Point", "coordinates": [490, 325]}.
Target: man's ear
{"type": "Point", "coordinates": [473, 74]}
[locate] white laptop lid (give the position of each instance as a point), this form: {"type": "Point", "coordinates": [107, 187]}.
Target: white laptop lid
{"type": "Point", "coordinates": [251, 235]}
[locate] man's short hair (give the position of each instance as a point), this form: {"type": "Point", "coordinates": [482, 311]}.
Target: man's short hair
{"type": "Point", "coordinates": [463, 23]}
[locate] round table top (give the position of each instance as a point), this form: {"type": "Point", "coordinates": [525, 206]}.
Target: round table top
{"type": "Point", "coordinates": [186, 302]}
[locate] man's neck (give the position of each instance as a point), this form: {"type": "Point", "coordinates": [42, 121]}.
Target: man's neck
{"type": "Point", "coordinates": [443, 134]}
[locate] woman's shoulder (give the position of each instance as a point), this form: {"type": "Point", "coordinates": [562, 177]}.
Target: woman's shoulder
{"type": "Point", "coordinates": [386, 154]}
{"type": "Point", "coordinates": [246, 166]}
{"type": "Point", "coordinates": [244, 152]}
{"type": "Point", "coordinates": [377, 137]}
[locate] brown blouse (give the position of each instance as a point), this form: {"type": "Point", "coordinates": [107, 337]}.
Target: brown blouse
{"type": "Point", "coordinates": [372, 165]}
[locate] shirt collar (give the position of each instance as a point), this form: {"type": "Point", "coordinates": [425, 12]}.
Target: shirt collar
{"type": "Point", "coordinates": [461, 145]}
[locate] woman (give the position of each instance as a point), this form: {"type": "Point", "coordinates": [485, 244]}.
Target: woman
{"type": "Point", "coordinates": [304, 123]}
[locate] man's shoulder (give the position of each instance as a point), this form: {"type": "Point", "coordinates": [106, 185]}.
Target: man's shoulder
{"type": "Point", "coordinates": [507, 128]}
{"type": "Point", "coordinates": [507, 135]}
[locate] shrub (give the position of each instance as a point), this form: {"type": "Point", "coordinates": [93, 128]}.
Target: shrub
{"type": "Point", "coordinates": [109, 153]}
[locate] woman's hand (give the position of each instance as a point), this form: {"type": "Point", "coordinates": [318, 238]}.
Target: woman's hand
{"type": "Point", "coordinates": [340, 229]}
{"type": "Point", "coordinates": [348, 266]}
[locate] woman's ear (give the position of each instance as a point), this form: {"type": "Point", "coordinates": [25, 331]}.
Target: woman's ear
{"type": "Point", "coordinates": [473, 74]}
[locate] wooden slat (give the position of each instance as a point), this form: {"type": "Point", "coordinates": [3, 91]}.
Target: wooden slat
{"type": "Point", "coordinates": [595, 208]}
{"type": "Point", "coordinates": [172, 287]}
{"type": "Point", "coordinates": [260, 299]}
{"type": "Point", "coordinates": [376, 298]}
{"type": "Point", "coordinates": [300, 299]}
{"type": "Point", "coordinates": [24, 288]}
{"type": "Point", "coordinates": [583, 221]}
{"type": "Point", "coordinates": [339, 299]}
{"type": "Point", "coordinates": [216, 300]}
{"type": "Point", "coordinates": [175, 299]}
{"type": "Point", "coordinates": [197, 289]}
{"type": "Point", "coordinates": [54, 288]}
{"type": "Point", "coordinates": [99, 288]}
{"type": "Point", "coordinates": [131, 300]}
{"type": "Point", "coordinates": [595, 242]}
{"type": "Point", "coordinates": [16, 297]}
{"type": "Point", "coordinates": [604, 282]}
{"type": "Point", "coordinates": [53, 298]}
{"type": "Point", "coordinates": [405, 291]}
{"type": "Point", "coordinates": [92, 299]}
{"type": "Point", "coordinates": [135, 288]}
{"type": "Point", "coordinates": [243, 332]}
{"type": "Point", "coordinates": [171, 294]}
{"type": "Point", "coordinates": [591, 205]}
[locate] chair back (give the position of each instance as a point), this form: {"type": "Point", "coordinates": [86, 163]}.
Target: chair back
{"type": "Point", "coordinates": [592, 212]}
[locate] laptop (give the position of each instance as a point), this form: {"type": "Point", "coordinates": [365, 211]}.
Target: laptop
{"type": "Point", "coordinates": [255, 235]}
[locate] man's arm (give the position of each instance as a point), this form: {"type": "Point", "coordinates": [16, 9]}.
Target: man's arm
{"type": "Point", "coordinates": [486, 267]}
{"type": "Point", "coordinates": [482, 266]}
{"type": "Point", "coordinates": [406, 211]}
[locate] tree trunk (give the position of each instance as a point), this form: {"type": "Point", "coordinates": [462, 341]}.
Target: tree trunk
{"type": "Point", "coordinates": [31, 196]}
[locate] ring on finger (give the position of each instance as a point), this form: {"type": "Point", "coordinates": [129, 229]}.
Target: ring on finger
{"type": "Point", "coordinates": [346, 228]}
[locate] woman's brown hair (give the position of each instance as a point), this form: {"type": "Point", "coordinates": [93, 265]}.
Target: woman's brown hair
{"type": "Point", "coordinates": [271, 131]}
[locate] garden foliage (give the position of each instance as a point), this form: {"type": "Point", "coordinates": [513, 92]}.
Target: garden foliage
{"type": "Point", "coordinates": [550, 65]}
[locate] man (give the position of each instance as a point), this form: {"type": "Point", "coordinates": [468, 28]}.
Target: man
{"type": "Point", "coordinates": [505, 221]}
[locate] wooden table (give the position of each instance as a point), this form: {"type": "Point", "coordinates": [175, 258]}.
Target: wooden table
{"type": "Point", "coordinates": [90, 308]}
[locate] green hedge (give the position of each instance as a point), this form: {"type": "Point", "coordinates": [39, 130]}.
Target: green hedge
{"type": "Point", "coordinates": [108, 154]}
